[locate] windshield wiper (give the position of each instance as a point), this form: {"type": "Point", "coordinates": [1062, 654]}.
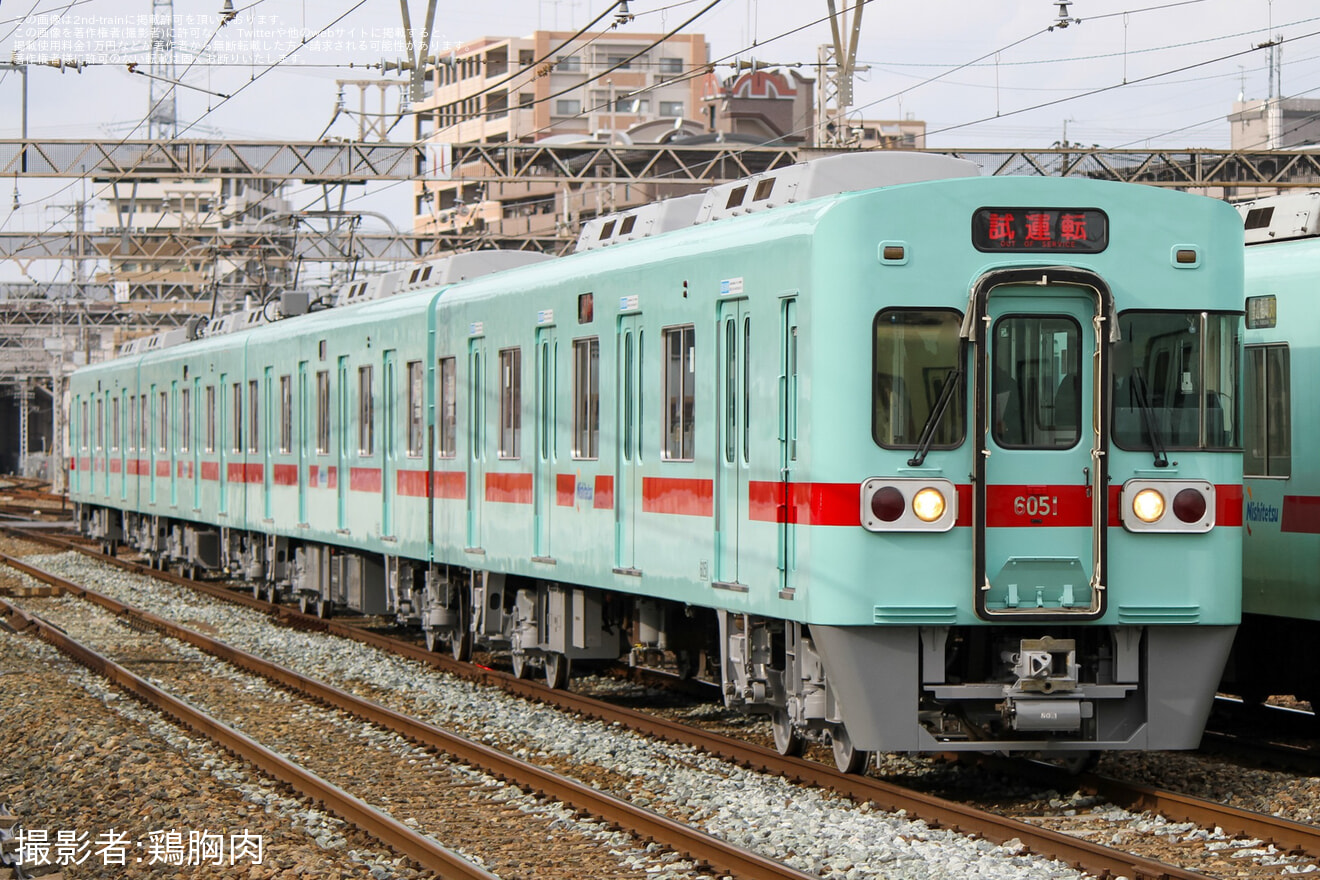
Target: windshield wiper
{"type": "Point", "coordinates": [936, 415]}
{"type": "Point", "coordinates": [1148, 416]}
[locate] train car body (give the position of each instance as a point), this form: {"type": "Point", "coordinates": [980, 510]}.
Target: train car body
{"type": "Point", "coordinates": [911, 459]}
{"type": "Point", "coordinates": [1275, 652]}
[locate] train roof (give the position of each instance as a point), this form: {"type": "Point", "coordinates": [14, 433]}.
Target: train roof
{"type": "Point", "coordinates": [1280, 218]}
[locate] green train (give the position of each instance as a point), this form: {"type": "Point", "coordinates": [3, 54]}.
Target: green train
{"type": "Point", "coordinates": [903, 457]}
{"type": "Point", "coordinates": [1276, 653]}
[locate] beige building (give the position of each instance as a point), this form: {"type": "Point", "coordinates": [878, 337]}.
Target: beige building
{"type": "Point", "coordinates": [494, 90]}
{"type": "Point", "coordinates": [1274, 123]}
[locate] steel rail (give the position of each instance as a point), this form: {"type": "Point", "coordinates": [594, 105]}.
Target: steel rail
{"type": "Point", "coordinates": [645, 823]}
{"type": "Point", "coordinates": [1092, 857]}
{"type": "Point", "coordinates": [400, 837]}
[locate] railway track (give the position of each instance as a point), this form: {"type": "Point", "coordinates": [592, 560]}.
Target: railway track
{"type": "Point", "coordinates": [421, 792]}
{"type": "Point", "coordinates": [1040, 839]}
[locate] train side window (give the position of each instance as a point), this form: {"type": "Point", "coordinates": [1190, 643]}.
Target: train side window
{"type": "Point", "coordinates": [286, 413]}
{"type": "Point", "coordinates": [115, 424]}
{"type": "Point", "coordinates": [416, 392]}
{"type": "Point", "coordinates": [586, 398]}
{"type": "Point", "coordinates": [210, 418]}
{"type": "Point", "coordinates": [680, 382]}
{"type": "Point", "coordinates": [1267, 412]}
{"type": "Point", "coordinates": [237, 438]}
{"type": "Point", "coordinates": [366, 412]}
{"type": "Point", "coordinates": [323, 411]}
{"type": "Point", "coordinates": [510, 402]}
{"type": "Point", "coordinates": [254, 408]}
{"type": "Point", "coordinates": [915, 353]}
{"type": "Point", "coordinates": [163, 421]}
{"type": "Point", "coordinates": [448, 407]}
{"type": "Point", "coordinates": [185, 419]}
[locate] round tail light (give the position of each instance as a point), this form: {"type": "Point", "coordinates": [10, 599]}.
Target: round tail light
{"type": "Point", "coordinates": [1189, 505]}
{"type": "Point", "coordinates": [887, 504]}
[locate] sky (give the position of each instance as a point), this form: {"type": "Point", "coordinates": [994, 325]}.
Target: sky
{"type": "Point", "coordinates": [1122, 73]}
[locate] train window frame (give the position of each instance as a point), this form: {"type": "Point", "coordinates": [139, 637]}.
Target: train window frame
{"type": "Point", "coordinates": [366, 411]}
{"type": "Point", "coordinates": [236, 444]}
{"type": "Point", "coordinates": [1275, 405]}
{"type": "Point", "coordinates": [1038, 426]}
{"type": "Point", "coordinates": [323, 412]}
{"type": "Point", "coordinates": [1229, 408]}
{"type": "Point", "coordinates": [932, 380]}
{"type": "Point", "coordinates": [447, 388]}
{"type": "Point", "coordinates": [586, 398]}
{"type": "Point", "coordinates": [185, 419]}
{"type": "Point", "coordinates": [132, 423]}
{"type": "Point", "coordinates": [510, 445]}
{"type": "Point", "coordinates": [254, 415]}
{"type": "Point", "coordinates": [144, 423]}
{"type": "Point", "coordinates": [416, 409]}
{"type": "Point", "coordinates": [98, 427]}
{"type": "Point", "coordinates": [115, 424]}
{"type": "Point", "coordinates": [210, 419]}
{"type": "Point", "coordinates": [286, 413]}
{"type": "Point", "coordinates": [83, 428]}
{"type": "Point", "coordinates": [678, 393]}
{"type": "Point", "coordinates": [163, 421]}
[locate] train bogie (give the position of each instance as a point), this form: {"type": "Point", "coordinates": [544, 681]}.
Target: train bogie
{"type": "Point", "coordinates": [948, 463]}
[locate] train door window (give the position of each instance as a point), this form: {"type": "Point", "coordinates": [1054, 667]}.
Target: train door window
{"type": "Point", "coordinates": [286, 413]}
{"type": "Point", "coordinates": [254, 408]}
{"type": "Point", "coordinates": [1267, 412]}
{"type": "Point", "coordinates": [132, 423]}
{"type": "Point", "coordinates": [323, 411]}
{"type": "Point", "coordinates": [84, 426]}
{"type": "Point", "coordinates": [510, 402]}
{"type": "Point", "coordinates": [416, 398]}
{"type": "Point", "coordinates": [115, 425]}
{"type": "Point", "coordinates": [185, 419]}
{"type": "Point", "coordinates": [680, 381]}
{"type": "Point", "coordinates": [448, 408]}
{"type": "Point", "coordinates": [916, 352]}
{"type": "Point", "coordinates": [586, 398]}
{"type": "Point", "coordinates": [237, 417]}
{"type": "Point", "coordinates": [1035, 386]}
{"type": "Point", "coordinates": [98, 431]}
{"type": "Point", "coordinates": [366, 413]}
{"type": "Point", "coordinates": [209, 415]}
{"type": "Point", "coordinates": [163, 421]}
{"type": "Point", "coordinates": [747, 387]}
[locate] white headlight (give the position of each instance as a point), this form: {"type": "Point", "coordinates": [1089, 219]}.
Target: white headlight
{"type": "Point", "coordinates": [1148, 505]}
{"type": "Point", "coordinates": [928, 504]}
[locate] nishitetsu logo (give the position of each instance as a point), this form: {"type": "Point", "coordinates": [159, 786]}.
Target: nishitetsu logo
{"type": "Point", "coordinates": [1259, 512]}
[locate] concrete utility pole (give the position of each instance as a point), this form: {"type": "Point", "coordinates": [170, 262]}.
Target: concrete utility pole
{"type": "Point", "coordinates": [834, 85]}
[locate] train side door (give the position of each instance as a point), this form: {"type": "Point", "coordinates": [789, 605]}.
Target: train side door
{"type": "Point", "coordinates": [389, 412]}
{"type": "Point", "coordinates": [304, 406]}
{"type": "Point", "coordinates": [170, 405]}
{"type": "Point", "coordinates": [733, 335]}
{"type": "Point", "coordinates": [1039, 522]}
{"type": "Point", "coordinates": [788, 421]}
{"type": "Point", "coordinates": [628, 454]}
{"type": "Point", "coordinates": [477, 410]}
{"type": "Point", "coordinates": [224, 440]}
{"type": "Point", "coordinates": [271, 438]}
{"type": "Point", "coordinates": [343, 424]}
{"type": "Point", "coordinates": [151, 439]}
{"type": "Point", "coordinates": [543, 462]}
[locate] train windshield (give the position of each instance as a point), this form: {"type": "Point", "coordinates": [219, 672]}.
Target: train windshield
{"type": "Point", "coordinates": [1175, 381]}
{"type": "Point", "coordinates": [916, 350]}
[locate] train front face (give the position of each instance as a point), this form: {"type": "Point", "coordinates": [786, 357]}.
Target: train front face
{"type": "Point", "coordinates": [1049, 542]}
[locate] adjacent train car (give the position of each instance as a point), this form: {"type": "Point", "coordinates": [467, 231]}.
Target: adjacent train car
{"type": "Point", "coordinates": [903, 457]}
{"type": "Point", "coordinates": [1275, 653]}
